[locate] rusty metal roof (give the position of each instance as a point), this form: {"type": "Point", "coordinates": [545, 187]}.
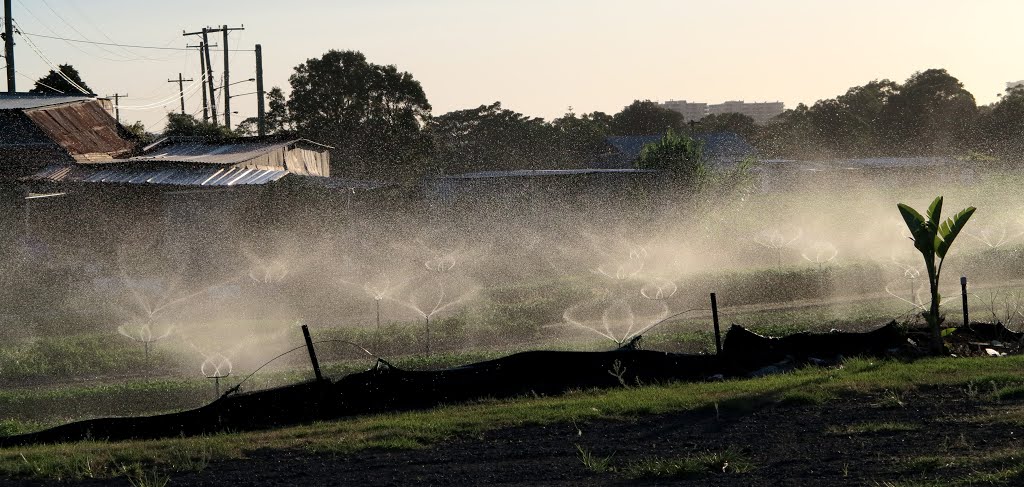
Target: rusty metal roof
{"type": "Point", "coordinates": [84, 129]}
{"type": "Point", "coordinates": [205, 151]}
{"type": "Point", "coordinates": [25, 101]}
{"type": "Point", "coordinates": [165, 175]}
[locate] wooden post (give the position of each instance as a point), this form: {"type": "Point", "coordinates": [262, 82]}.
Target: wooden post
{"type": "Point", "coordinates": [963, 293]}
{"type": "Point", "coordinates": [312, 353]}
{"type": "Point", "coordinates": [718, 331]}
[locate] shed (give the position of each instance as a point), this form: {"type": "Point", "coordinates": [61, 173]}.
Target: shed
{"type": "Point", "coordinates": [40, 130]}
{"type": "Point", "coordinates": [194, 161]}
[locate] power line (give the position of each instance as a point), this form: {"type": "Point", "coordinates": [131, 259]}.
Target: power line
{"type": "Point", "coordinates": [47, 27]}
{"type": "Point", "coordinates": [69, 24]}
{"type": "Point", "coordinates": [47, 61]}
{"type": "Point", "coordinates": [81, 15]}
{"type": "Point", "coordinates": [134, 46]}
{"type": "Point", "coordinates": [161, 103]}
{"type": "Point", "coordinates": [44, 85]}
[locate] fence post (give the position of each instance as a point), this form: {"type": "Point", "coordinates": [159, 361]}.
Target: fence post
{"type": "Point", "coordinates": [714, 317]}
{"type": "Point", "coordinates": [312, 353]}
{"type": "Point", "coordinates": [963, 292]}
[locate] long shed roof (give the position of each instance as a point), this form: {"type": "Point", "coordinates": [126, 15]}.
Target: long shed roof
{"type": "Point", "coordinates": [205, 151]}
{"type": "Point", "coordinates": [168, 175]}
{"type": "Point", "coordinates": [26, 101]}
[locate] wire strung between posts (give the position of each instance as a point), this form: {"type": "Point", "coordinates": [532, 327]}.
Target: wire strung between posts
{"type": "Point", "coordinates": [133, 46]}
{"type": "Point", "coordinates": [651, 326]}
{"type": "Point", "coordinates": [237, 386]}
{"type": "Point", "coordinates": [43, 57]}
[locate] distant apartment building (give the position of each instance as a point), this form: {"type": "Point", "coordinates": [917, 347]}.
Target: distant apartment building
{"type": "Point", "coordinates": [760, 112]}
{"type": "Point", "coordinates": [691, 111]}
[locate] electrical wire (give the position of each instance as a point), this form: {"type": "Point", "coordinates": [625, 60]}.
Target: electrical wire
{"type": "Point", "coordinates": [69, 24]}
{"type": "Point", "coordinates": [80, 14]}
{"type": "Point", "coordinates": [133, 46]}
{"type": "Point", "coordinates": [191, 88]}
{"type": "Point", "coordinates": [40, 83]}
{"type": "Point", "coordinates": [55, 33]}
{"type": "Point", "coordinates": [43, 57]}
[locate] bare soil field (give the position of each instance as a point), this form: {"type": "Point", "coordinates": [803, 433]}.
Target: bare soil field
{"type": "Point", "coordinates": [934, 435]}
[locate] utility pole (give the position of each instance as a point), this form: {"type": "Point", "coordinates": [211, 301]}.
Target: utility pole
{"type": "Point", "coordinates": [205, 55]}
{"type": "Point", "coordinates": [209, 77]}
{"type": "Point", "coordinates": [181, 89]}
{"type": "Point", "coordinates": [227, 75]}
{"type": "Point", "coordinates": [202, 78]}
{"type": "Point", "coordinates": [261, 111]}
{"type": "Point", "coordinates": [9, 46]}
{"type": "Point", "coordinates": [117, 106]}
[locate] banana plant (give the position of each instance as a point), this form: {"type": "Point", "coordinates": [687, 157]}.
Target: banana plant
{"type": "Point", "coordinates": [933, 237]}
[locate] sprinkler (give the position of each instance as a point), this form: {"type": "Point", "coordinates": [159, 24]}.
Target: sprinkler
{"type": "Point", "coordinates": [216, 367]}
{"type": "Point", "coordinates": [993, 236]}
{"type": "Point", "coordinates": [820, 253]}
{"type": "Point", "coordinates": [911, 274]}
{"type": "Point", "coordinates": [144, 335]}
{"type": "Point", "coordinates": [618, 321]}
{"type": "Point", "coordinates": [429, 309]}
{"type": "Point", "coordinates": [271, 272]}
{"type": "Point", "coordinates": [775, 240]}
{"type": "Point", "coordinates": [659, 289]}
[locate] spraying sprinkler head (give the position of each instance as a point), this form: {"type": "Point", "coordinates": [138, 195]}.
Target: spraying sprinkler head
{"type": "Point", "coordinates": [658, 290]}
{"type": "Point", "coordinates": [216, 367]}
{"type": "Point", "coordinates": [820, 253]}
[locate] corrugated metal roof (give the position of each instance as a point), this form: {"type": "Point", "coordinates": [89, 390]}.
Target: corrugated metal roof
{"type": "Point", "coordinates": [544, 172]}
{"type": "Point", "coordinates": [25, 101]}
{"type": "Point", "coordinates": [82, 129]}
{"type": "Point", "coordinates": [182, 176]}
{"type": "Point", "coordinates": [204, 151]}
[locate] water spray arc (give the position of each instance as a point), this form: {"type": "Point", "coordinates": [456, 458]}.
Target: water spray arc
{"type": "Point", "coordinates": [144, 335]}
{"type": "Point", "coordinates": [775, 240]}
{"type": "Point", "coordinates": [216, 366]}
{"type": "Point", "coordinates": [820, 253]}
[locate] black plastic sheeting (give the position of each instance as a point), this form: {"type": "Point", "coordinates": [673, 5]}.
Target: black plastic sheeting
{"type": "Point", "coordinates": [385, 388]}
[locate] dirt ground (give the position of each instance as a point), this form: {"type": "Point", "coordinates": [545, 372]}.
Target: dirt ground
{"type": "Point", "coordinates": [846, 441]}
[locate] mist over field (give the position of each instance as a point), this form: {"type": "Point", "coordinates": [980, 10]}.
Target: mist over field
{"type": "Point", "coordinates": [543, 272]}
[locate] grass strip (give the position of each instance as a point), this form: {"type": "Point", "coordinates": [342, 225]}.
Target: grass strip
{"type": "Point", "coordinates": [423, 428]}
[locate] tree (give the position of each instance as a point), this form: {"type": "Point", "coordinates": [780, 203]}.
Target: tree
{"type": "Point", "coordinates": [791, 135]}
{"type": "Point", "coordinates": [54, 83]}
{"type": "Point", "coordinates": [736, 123]}
{"type": "Point", "coordinates": [277, 120]}
{"type": "Point", "coordinates": [184, 125]}
{"type": "Point", "coordinates": [676, 154]}
{"type": "Point", "coordinates": [372, 115]}
{"type": "Point", "coordinates": [138, 131]}
{"type": "Point", "coordinates": [1002, 126]}
{"type": "Point", "coordinates": [645, 118]}
{"type": "Point", "coordinates": [489, 137]}
{"type": "Point", "coordinates": [579, 140]}
{"type": "Point", "coordinates": [931, 114]}
{"type": "Point", "coordinates": [277, 117]}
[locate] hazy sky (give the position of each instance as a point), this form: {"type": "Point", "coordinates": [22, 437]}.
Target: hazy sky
{"type": "Point", "coordinates": [539, 57]}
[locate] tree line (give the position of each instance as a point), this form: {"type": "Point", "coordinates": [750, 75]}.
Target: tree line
{"type": "Point", "coordinates": [379, 122]}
